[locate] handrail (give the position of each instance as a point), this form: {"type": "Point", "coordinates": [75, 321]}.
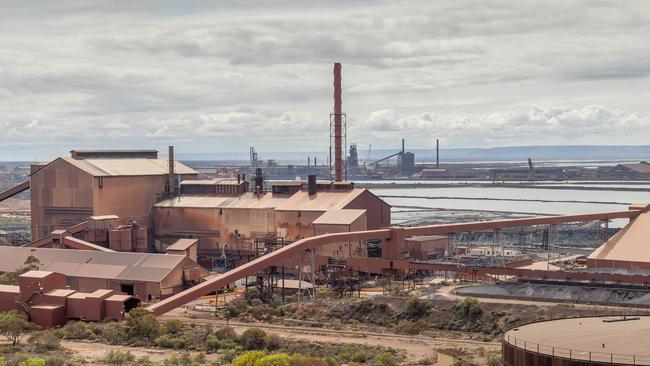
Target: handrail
{"type": "Point", "coordinates": [577, 354]}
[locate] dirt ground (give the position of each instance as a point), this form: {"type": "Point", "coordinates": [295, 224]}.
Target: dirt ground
{"type": "Point", "coordinates": [415, 347]}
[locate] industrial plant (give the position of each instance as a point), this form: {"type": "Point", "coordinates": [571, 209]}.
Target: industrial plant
{"type": "Point", "coordinates": [117, 229]}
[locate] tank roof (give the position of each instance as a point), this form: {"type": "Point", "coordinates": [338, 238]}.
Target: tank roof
{"type": "Point", "coordinates": [595, 337]}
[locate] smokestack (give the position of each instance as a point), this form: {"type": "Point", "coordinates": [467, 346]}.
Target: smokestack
{"type": "Point", "coordinates": [338, 126]}
{"type": "Point", "coordinates": [259, 181]}
{"type": "Point", "coordinates": [311, 184]}
{"type": "Point", "coordinates": [315, 161]}
{"type": "Point", "coordinates": [308, 161]}
{"type": "Point", "coordinates": [437, 154]}
{"type": "Point", "coordinates": [402, 146]}
{"type": "Point", "coordinates": [172, 175]}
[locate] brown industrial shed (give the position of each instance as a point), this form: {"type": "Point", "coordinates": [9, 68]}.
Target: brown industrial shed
{"type": "Point", "coordinates": [68, 190]}
{"type": "Point", "coordinates": [145, 275]}
{"type": "Point", "coordinates": [236, 221]}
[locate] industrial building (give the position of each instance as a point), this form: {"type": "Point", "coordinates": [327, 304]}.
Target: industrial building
{"type": "Point", "coordinates": [45, 296]}
{"type": "Point", "coordinates": [125, 183]}
{"type": "Point", "coordinates": [625, 250]}
{"type": "Point", "coordinates": [145, 275]}
{"type": "Point", "coordinates": [595, 341]}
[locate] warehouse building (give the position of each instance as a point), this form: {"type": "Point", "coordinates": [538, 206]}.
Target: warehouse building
{"type": "Point", "coordinates": [125, 183]}
{"type": "Point", "coordinates": [145, 275]}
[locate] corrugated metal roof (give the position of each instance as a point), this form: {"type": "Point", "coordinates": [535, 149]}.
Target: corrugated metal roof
{"type": "Point", "coordinates": [246, 200]}
{"type": "Point", "coordinates": [322, 201]}
{"type": "Point", "coordinates": [127, 166]}
{"type": "Point", "coordinates": [92, 264]}
{"type": "Point", "coordinates": [182, 244]}
{"type": "Point", "coordinates": [339, 217]}
{"type": "Point", "coordinates": [629, 244]}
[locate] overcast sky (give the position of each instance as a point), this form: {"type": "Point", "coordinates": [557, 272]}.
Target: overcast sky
{"type": "Point", "coordinates": [234, 74]}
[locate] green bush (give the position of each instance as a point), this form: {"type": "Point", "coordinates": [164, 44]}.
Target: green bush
{"type": "Point", "coordinates": [385, 359]}
{"type": "Point", "coordinates": [118, 358]}
{"type": "Point", "coordinates": [248, 358]}
{"type": "Point", "coordinates": [468, 308]}
{"type": "Point", "coordinates": [78, 330]}
{"type": "Point", "coordinates": [253, 339]}
{"type": "Point", "coordinates": [113, 333]}
{"type": "Point", "coordinates": [278, 359]}
{"type": "Point", "coordinates": [226, 333]}
{"type": "Point", "coordinates": [142, 325]}
{"type": "Point", "coordinates": [416, 309]}
{"type": "Point", "coordinates": [272, 342]}
{"type": "Point", "coordinates": [45, 341]}
{"type": "Point", "coordinates": [172, 326]}
{"type": "Point", "coordinates": [33, 361]}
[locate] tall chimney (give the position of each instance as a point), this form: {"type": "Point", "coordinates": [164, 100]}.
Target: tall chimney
{"type": "Point", "coordinates": [172, 175]}
{"type": "Point", "coordinates": [437, 154]}
{"type": "Point", "coordinates": [308, 161]}
{"type": "Point", "coordinates": [315, 161]}
{"type": "Point", "coordinates": [402, 146]}
{"type": "Point", "coordinates": [311, 184]}
{"type": "Point", "coordinates": [338, 130]}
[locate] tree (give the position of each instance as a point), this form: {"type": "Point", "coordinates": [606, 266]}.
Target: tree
{"type": "Point", "coordinates": [14, 325]}
{"type": "Point", "coordinates": [142, 324]}
{"type": "Point", "coordinates": [11, 278]}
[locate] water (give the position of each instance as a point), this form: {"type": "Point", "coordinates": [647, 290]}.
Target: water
{"type": "Point", "coordinates": [528, 201]}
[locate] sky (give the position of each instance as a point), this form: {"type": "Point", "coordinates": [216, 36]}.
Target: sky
{"type": "Point", "coordinates": [220, 76]}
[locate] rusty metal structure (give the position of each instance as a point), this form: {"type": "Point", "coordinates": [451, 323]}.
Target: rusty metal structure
{"type": "Point", "coordinates": [392, 259]}
{"type": "Point", "coordinates": [338, 127]}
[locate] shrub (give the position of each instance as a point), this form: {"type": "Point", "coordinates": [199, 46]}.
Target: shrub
{"type": "Point", "coordinates": [118, 358]}
{"type": "Point", "coordinates": [226, 333]}
{"type": "Point", "coordinates": [172, 326]}
{"type": "Point", "coordinates": [302, 360]}
{"type": "Point", "coordinates": [468, 308]}
{"type": "Point", "coordinates": [278, 359]}
{"type": "Point", "coordinates": [14, 325]}
{"type": "Point", "coordinates": [405, 327]}
{"type": "Point", "coordinates": [248, 358]}
{"type": "Point", "coordinates": [45, 341]}
{"type": "Point", "coordinates": [142, 325]}
{"type": "Point", "coordinates": [33, 361]}
{"type": "Point", "coordinates": [55, 361]}
{"type": "Point", "coordinates": [385, 359]}
{"type": "Point", "coordinates": [114, 333]}
{"type": "Point", "coordinates": [416, 309]}
{"type": "Point", "coordinates": [253, 339]}
{"type": "Point", "coordinates": [272, 342]}
{"type": "Point", "coordinates": [78, 330]}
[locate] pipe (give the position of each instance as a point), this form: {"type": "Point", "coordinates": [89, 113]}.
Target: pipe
{"type": "Point", "coordinates": [437, 154]}
{"type": "Point", "coordinates": [338, 125]}
{"type": "Point", "coordinates": [172, 175]}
